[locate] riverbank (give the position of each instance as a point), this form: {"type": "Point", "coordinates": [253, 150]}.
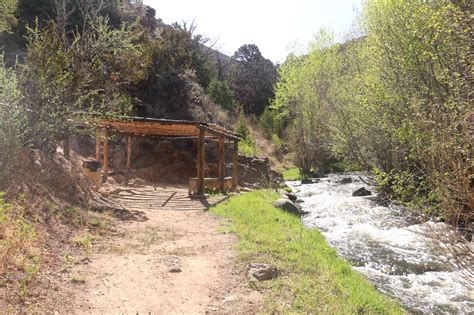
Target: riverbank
{"type": "Point", "coordinates": [313, 279]}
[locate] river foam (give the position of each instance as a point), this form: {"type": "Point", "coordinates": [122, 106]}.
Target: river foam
{"type": "Point", "coordinates": [382, 243]}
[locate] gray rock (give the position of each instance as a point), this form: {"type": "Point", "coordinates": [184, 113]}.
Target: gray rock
{"type": "Point", "coordinates": [287, 205]}
{"type": "Point", "coordinates": [361, 192]}
{"type": "Point", "coordinates": [262, 272]}
{"type": "Point", "coordinates": [291, 196]}
{"type": "Point", "coordinates": [173, 262]}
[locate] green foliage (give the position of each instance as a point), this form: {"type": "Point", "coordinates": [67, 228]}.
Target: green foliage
{"type": "Point", "coordinates": [271, 123]}
{"type": "Point", "coordinates": [12, 121]}
{"type": "Point", "coordinates": [7, 17]}
{"type": "Point", "coordinates": [303, 101]}
{"type": "Point", "coordinates": [247, 146]}
{"type": "Point", "coordinates": [313, 278]}
{"type": "Point", "coordinates": [409, 189]}
{"type": "Point", "coordinates": [89, 73]}
{"type": "Point", "coordinates": [278, 143]}
{"type": "Point", "coordinates": [252, 79]}
{"type": "Point", "coordinates": [292, 174]}
{"type": "Point", "coordinates": [220, 93]}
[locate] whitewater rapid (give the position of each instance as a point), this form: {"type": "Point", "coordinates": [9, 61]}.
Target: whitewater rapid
{"type": "Point", "coordinates": [384, 244]}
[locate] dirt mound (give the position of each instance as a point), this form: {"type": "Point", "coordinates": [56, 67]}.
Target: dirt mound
{"type": "Point", "coordinates": [48, 200]}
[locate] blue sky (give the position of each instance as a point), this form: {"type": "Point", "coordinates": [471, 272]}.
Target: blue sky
{"type": "Point", "coordinates": [277, 27]}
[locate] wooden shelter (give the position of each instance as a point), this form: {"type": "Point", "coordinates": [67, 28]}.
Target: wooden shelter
{"type": "Point", "coordinates": [201, 131]}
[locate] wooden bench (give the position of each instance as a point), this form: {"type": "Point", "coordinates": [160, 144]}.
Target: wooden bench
{"type": "Point", "coordinates": [210, 183]}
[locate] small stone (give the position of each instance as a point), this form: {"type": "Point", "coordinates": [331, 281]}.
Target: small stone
{"type": "Point", "coordinates": [261, 272]}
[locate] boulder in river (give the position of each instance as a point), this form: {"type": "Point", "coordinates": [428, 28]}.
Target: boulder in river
{"type": "Point", "coordinates": [262, 272]}
{"type": "Point", "coordinates": [361, 192]}
{"type": "Point", "coordinates": [291, 196]}
{"type": "Point", "coordinates": [288, 206]}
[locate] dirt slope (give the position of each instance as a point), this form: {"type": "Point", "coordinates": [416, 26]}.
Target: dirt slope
{"type": "Point", "coordinates": [164, 262]}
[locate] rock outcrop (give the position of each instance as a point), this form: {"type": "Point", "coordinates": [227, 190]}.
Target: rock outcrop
{"type": "Point", "coordinates": [255, 172]}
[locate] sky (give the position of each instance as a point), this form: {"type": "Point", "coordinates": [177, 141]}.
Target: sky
{"type": "Point", "coordinates": [277, 27]}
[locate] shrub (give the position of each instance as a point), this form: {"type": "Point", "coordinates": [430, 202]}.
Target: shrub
{"type": "Point", "coordinates": [220, 93]}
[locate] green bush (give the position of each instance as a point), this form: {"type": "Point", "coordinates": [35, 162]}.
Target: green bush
{"type": "Point", "coordinates": [247, 146]}
{"type": "Point", "coordinates": [292, 174]}
{"type": "Point", "coordinates": [220, 92]}
{"type": "Point", "coordinates": [270, 122]}
{"type": "Point", "coordinates": [278, 143]}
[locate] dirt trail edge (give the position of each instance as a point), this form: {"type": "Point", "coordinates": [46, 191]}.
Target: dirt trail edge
{"type": "Point", "coordinates": [168, 262]}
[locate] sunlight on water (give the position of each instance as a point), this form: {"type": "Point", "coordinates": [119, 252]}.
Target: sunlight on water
{"type": "Point", "coordinates": [380, 241]}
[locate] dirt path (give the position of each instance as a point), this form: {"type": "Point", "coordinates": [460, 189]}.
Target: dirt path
{"type": "Point", "coordinates": [167, 262]}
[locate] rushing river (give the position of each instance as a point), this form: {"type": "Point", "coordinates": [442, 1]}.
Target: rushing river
{"type": "Point", "coordinates": [382, 243]}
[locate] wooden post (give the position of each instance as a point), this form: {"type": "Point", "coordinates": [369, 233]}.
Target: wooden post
{"type": "Point", "coordinates": [129, 153]}
{"type": "Point", "coordinates": [200, 162]}
{"type": "Point", "coordinates": [235, 165]}
{"type": "Point", "coordinates": [106, 155]}
{"type": "Point", "coordinates": [221, 164]}
{"type": "Point", "coordinates": [97, 149]}
{"type": "Point", "coordinates": [66, 148]}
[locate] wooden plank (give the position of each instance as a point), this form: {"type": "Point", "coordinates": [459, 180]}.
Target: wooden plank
{"type": "Point", "coordinates": [200, 162]}
{"type": "Point", "coordinates": [221, 164]}
{"type": "Point", "coordinates": [235, 165]}
{"type": "Point", "coordinates": [97, 149]}
{"type": "Point", "coordinates": [106, 155]}
{"type": "Point", "coordinates": [150, 127]}
{"type": "Point", "coordinates": [221, 133]}
{"type": "Point", "coordinates": [129, 153]}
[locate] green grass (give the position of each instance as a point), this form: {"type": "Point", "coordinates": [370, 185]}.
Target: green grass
{"type": "Point", "coordinates": [291, 174]}
{"type": "Point", "coordinates": [314, 279]}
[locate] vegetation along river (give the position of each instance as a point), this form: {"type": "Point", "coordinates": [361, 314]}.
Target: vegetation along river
{"type": "Point", "coordinates": [381, 242]}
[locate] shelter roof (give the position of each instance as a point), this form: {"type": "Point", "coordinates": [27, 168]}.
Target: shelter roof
{"type": "Point", "coordinates": [143, 126]}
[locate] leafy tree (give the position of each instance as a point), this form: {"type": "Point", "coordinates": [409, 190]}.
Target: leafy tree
{"type": "Point", "coordinates": [89, 73]}
{"type": "Point", "coordinates": [252, 79]}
